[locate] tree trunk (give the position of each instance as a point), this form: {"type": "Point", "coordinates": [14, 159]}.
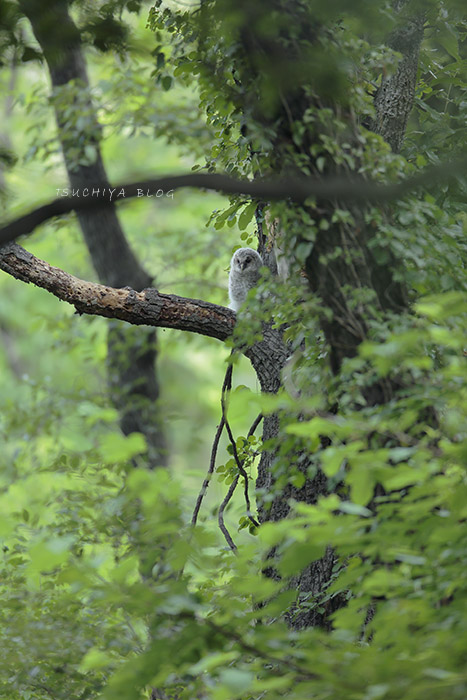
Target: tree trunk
{"type": "Point", "coordinates": [394, 98]}
{"type": "Point", "coordinates": [132, 354]}
{"type": "Point", "coordinates": [344, 260]}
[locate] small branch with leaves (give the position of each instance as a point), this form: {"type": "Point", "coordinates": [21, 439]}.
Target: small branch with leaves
{"type": "Point", "coordinates": [224, 423]}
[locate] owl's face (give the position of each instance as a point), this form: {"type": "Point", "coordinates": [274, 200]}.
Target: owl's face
{"type": "Point", "coordinates": [246, 259]}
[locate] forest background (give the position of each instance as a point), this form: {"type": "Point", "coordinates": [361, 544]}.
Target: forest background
{"type": "Point", "coordinates": [345, 576]}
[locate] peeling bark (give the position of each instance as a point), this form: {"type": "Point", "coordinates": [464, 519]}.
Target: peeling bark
{"type": "Point", "coordinates": [146, 307]}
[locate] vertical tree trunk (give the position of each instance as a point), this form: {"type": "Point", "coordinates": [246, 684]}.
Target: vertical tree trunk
{"type": "Point", "coordinates": [343, 261]}
{"type": "Point", "coordinates": [132, 353]}
{"type": "Point", "coordinates": [394, 98]}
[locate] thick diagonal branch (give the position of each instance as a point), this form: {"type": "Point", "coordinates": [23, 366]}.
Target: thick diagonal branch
{"type": "Point", "coordinates": [147, 307]}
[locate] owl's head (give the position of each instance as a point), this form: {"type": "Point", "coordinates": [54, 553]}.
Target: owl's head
{"type": "Point", "coordinates": [246, 260]}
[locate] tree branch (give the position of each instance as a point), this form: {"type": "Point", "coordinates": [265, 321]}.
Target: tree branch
{"type": "Point", "coordinates": [355, 189]}
{"type": "Point", "coordinates": [147, 307]}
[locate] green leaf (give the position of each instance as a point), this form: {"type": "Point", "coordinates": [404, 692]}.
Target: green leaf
{"type": "Point", "coordinates": [295, 558]}
{"type": "Point", "coordinates": [246, 216]}
{"type": "Point", "coordinates": [384, 582]}
{"type": "Point", "coordinates": [362, 483]}
{"type": "Point", "coordinates": [95, 659]}
{"type": "Point", "coordinates": [332, 459]}
{"type": "Point", "coordinates": [48, 553]}
{"type": "Point", "coordinates": [354, 509]}
{"type": "Point", "coordinates": [236, 681]}
{"type": "Point", "coordinates": [115, 447]}
{"type": "Point", "coordinates": [213, 661]}
{"type": "Point", "coordinates": [166, 82]}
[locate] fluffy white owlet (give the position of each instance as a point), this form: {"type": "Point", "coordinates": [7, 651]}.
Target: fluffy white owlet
{"type": "Point", "coordinates": [244, 275]}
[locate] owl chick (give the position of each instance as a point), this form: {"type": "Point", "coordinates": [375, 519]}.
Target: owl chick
{"type": "Point", "coordinates": [244, 275]}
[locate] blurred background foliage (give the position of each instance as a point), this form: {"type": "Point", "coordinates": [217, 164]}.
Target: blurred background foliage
{"type": "Point", "coordinates": [93, 603]}
{"type": "Point", "coordinates": [53, 363]}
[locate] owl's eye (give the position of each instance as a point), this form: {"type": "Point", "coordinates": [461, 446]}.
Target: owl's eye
{"type": "Point", "coordinates": [247, 259]}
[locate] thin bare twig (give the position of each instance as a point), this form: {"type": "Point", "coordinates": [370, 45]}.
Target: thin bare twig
{"type": "Point", "coordinates": [212, 464]}
{"type": "Point", "coordinates": [226, 388]}
{"type": "Point", "coordinates": [242, 471]}
{"type": "Point", "coordinates": [227, 385]}
{"type": "Point", "coordinates": [220, 515]}
{"type": "Point", "coordinates": [255, 424]}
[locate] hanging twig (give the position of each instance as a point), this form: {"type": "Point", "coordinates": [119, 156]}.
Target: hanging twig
{"type": "Point", "coordinates": [212, 464]}
{"type": "Point", "coordinates": [220, 515]}
{"type": "Point", "coordinates": [242, 472]}
{"type": "Point", "coordinates": [230, 492]}
{"type": "Point", "coordinates": [227, 387]}
{"type": "Point", "coordinates": [215, 445]}
{"type": "Point", "coordinates": [254, 425]}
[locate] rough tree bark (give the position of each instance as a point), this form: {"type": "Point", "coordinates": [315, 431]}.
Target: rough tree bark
{"type": "Point", "coordinates": [358, 268]}
{"type": "Point", "coordinates": [131, 358]}
{"type": "Point", "coordinates": [146, 307]}
{"type": "Point", "coordinates": [393, 99]}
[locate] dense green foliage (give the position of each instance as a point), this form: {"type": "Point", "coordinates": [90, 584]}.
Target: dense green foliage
{"type": "Point", "coordinates": [107, 590]}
